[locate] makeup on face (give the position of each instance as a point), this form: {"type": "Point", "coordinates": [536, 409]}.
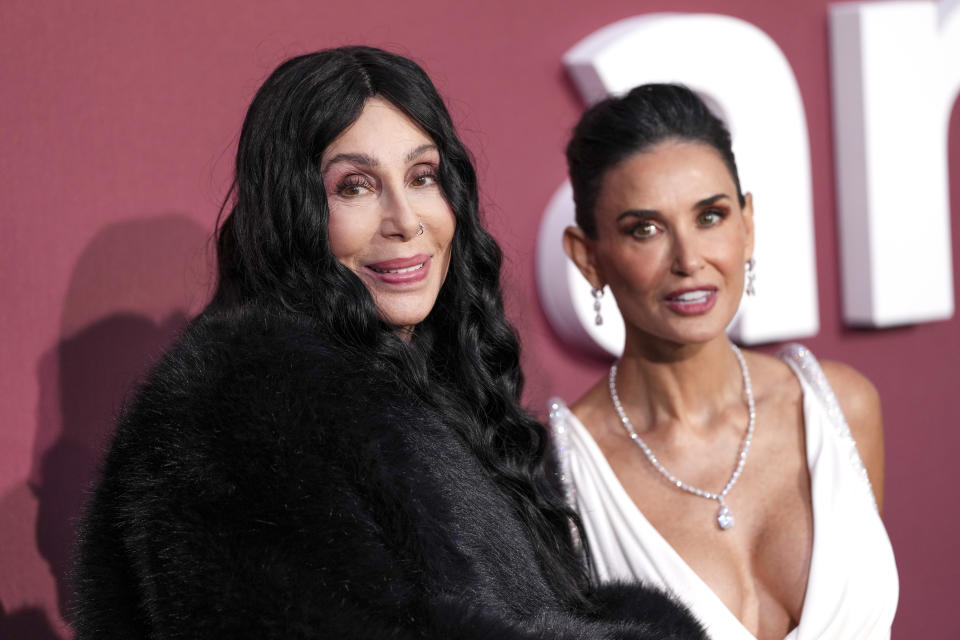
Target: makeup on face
{"type": "Point", "coordinates": [672, 240]}
{"type": "Point", "coordinates": [400, 271]}
{"type": "Point", "coordinates": [389, 220]}
{"type": "Point", "coordinates": [691, 301]}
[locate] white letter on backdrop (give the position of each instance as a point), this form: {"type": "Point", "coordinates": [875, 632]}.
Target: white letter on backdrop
{"type": "Point", "coordinates": [750, 85]}
{"type": "Point", "coordinates": [896, 72]}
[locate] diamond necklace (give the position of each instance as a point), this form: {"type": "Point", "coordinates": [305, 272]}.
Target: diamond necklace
{"type": "Point", "coordinates": [724, 515]}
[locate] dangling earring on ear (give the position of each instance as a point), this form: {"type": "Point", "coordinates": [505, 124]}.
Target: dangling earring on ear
{"type": "Point", "coordinates": [751, 277]}
{"type": "Point", "coordinates": [597, 296]}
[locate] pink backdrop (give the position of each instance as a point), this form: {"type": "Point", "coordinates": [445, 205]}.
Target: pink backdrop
{"type": "Point", "coordinates": [117, 125]}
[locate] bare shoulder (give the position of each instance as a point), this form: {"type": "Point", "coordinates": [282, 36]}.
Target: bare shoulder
{"type": "Point", "coordinates": [772, 379]}
{"type": "Point", "coordinates": [856, 394]}
{"type": "Point", "coordinates": [860, 403]}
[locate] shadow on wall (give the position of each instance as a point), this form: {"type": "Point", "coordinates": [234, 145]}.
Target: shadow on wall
{"type": "Point", "coordinates": [28, 622]}
{"type": "Point", "coordinates": [132, 291]}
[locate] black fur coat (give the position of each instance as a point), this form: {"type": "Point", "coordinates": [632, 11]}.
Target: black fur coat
{"type": "Point", "coordinates": [265, 484]}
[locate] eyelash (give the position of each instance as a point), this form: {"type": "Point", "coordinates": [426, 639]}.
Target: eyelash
{"type": "Point", "coordinates": [719, 213]}
{"type": "Point", "coordinates": [351, 182]}
{"type": "Point", "coordinates": [634, 230]}
{"type": "Point", "coordinates": [643, 224]}
{"type": "Point", "coordinates": [354, 180]}
{"type": "Point", "coordinates": [427, 171]}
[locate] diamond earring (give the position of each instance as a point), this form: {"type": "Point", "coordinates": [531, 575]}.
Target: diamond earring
{"type": "Point", "coordinates": [751, 288]}
{"type": "Point", "coordinates": [597, 296]}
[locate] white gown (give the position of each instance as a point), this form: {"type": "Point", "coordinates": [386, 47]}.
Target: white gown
{"type": "Point", "coordinates": [852, 588]}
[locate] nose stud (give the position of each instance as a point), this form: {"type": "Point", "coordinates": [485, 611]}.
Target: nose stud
{"type": "Point", "coordinates": [419, 227]}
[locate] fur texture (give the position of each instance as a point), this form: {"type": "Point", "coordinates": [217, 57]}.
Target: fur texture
{"type": "Point", "coordinates": [264, 484]}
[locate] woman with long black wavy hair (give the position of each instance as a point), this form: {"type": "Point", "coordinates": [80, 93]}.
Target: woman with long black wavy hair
{"type": "Point", "coordinates": [335, 446]}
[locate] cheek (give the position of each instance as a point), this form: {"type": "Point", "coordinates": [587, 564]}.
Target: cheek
{"type": "Point", "coordinates": [446, 229]}
{"type": "Point", "coordinates": [444, 241]}
{"type": "Point", "coordinates": [635, 267]}
{"type": "Point", "coordinates": [728, 250]}
{"type": "Point", "coordinates": [442, 222]}
{"type": "Point", "coordinates": [350, 233]}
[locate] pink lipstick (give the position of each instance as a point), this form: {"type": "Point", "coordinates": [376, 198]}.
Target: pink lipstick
{"type": "Point", "coordinates": [401, 270]}
{"type": "Point", "coordinates": [692, 301]}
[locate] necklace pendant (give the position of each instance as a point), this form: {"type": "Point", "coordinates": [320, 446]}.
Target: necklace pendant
{"type": "Point", "coordinates": [724, 517]}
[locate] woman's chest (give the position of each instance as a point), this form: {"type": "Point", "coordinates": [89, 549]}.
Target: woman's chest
{"type": "Point", "coordinates": [759, 567]}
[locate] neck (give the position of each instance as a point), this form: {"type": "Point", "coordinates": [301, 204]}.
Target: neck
{"type": "Point", "coordinates": [678, 387]}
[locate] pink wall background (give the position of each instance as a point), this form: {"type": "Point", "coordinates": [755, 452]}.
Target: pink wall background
{"type": "Point", "coordinates": [117, 127]}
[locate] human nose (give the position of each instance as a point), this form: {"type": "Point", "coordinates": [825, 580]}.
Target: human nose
{"type": "Point", "coordinates": [399, 218]}
{"type": "Point", "coordinates": [687, 257]}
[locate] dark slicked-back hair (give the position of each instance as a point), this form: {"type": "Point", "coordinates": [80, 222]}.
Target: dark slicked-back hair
{"type": "Point", "coordinates": [616, 128]}
{"type": "Point", "coordinates": [273, 251]}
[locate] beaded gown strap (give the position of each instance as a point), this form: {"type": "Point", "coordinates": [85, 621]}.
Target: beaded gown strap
{"type": "Point", "coordinates": [560, 432]}
{"type": "Point", "coordinates": [807, 368]}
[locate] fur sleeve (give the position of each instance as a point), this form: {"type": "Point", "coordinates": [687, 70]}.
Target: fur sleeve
{"type": "Point", "coordinates": [265, 486]}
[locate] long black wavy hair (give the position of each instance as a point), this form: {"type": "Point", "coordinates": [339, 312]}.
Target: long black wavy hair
{"type": "Point", "coordinates": [618, 127]}
{"type": "Point", "coordinates": [463, 359]}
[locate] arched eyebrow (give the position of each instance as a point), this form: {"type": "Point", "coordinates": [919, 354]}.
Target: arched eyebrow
{"type": "Point", "coordinates": [413, 155]}
{"type": "Point", "coordinates": [364, 160]}
{"type": "Point", "coordinates": [361, 159]}
{"type": "Point", "coordinates": [638, 213]}
{"type": "Point", "coordinates": [706, 202]}
{"type": "Point", "coordinates": [653, 213]}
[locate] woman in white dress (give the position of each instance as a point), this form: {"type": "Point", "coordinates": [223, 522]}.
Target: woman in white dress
{"type": "Point", "coordinates": [747, 485]}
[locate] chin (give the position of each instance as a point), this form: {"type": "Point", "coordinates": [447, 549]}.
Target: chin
{"type": "Point", "coordinates": [692, 335]}
{"type": "Point", "coordinates": [405, 309]}
{"type": "Point", "coordinates": [404, 317]}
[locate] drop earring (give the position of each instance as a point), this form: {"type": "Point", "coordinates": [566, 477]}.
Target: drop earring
{"type": "Point", "coordinates": [597, 297]}
{"type": "Point", "coordinates": [751, 289]}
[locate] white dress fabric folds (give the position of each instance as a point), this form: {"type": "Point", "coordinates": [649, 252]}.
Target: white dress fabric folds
{"type": "Point", "coordinates": [852, 588]}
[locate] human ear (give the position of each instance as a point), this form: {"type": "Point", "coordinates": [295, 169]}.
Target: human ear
{"type": "Point", "coordinates": [579, 248]}
{"type": "Point", "coordinates": [747, 213]}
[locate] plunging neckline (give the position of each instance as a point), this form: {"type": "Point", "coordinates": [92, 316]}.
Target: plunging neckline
{"type": "Point", "coordinates": [635, 515]}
